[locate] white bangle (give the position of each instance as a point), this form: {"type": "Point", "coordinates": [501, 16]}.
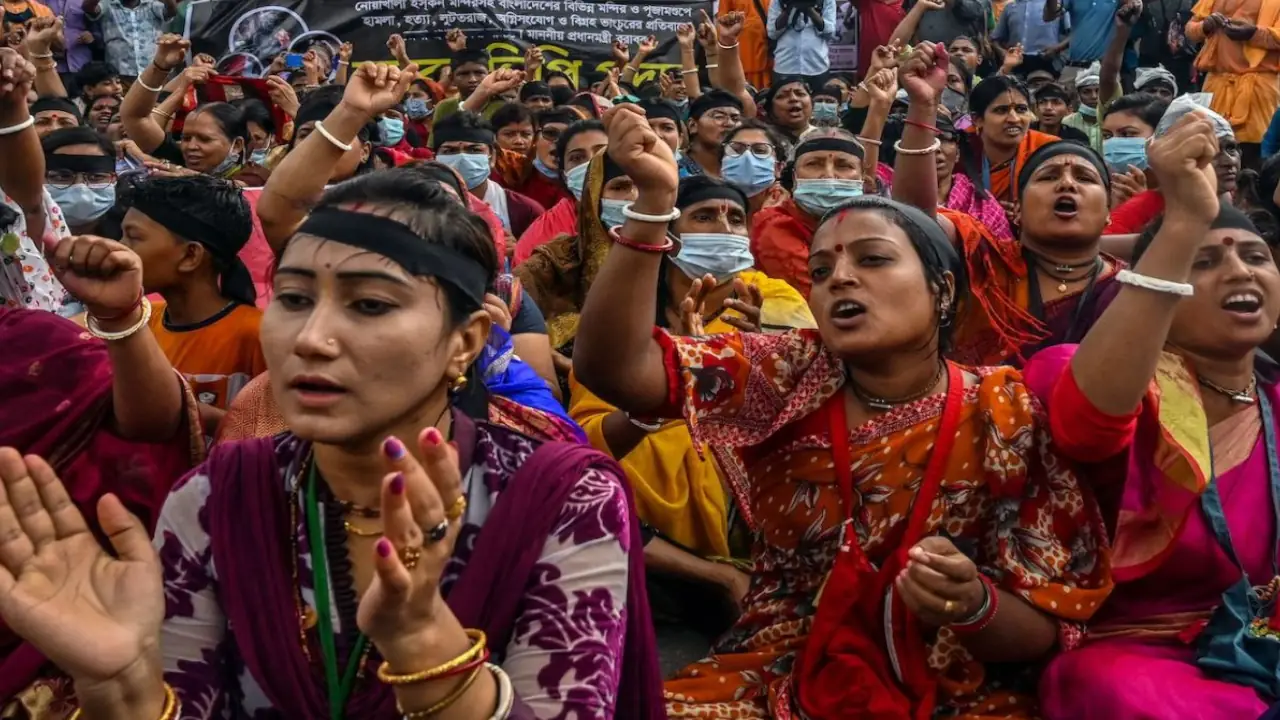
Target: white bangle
{"type": "Point", "coordinates": [693, 71]}
{"type": "Point", "coordinates": [15, 129]}
{"type": "Point", "coordinates": [937, 145]}
{"type": "Point", "coordinates": [91, 324]}
{"type": "Point", "coordinates": [41, 56]}
{"type": "Point", "coordinates": [726, 47]}
{"type": "Point", "coordinates": [868, 141]}
{"type": "Point", "coordinates": [145, 86]}
{"type": "Point", "coordinates": [1146, 282]}
{"type": "Point", "coordinates": [713, 66]}
{"type": "Point", "coordinates": [343, 62]}
{"type": "Point", "coordinates": [344, 147]}
{"type": "Point", "coordinates": [506, 693]}
{"type": "Point", "coordinates": [630, 214]}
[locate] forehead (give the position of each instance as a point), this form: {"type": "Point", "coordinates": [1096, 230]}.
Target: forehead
{"type": "Point", "coordinates": [82, 149]}
{"type": "Point", "coordinates": [962, 44]}
{"type": "Point", "coordinates": [1122, 119]}
{"type": "Point", "coordinates": [854, 225]}
{"type": "Point", "coordinates": [460, 145]}
{"type": "Point", "coordinates": [104, 101]}
{"type": "Point", "coordinates": [518, 125]}
{"type": "Point", "coordinates": [470, 67]}
{"type": "Point", "coordinates": [793, 89]}
{"type": "Point", "coordinates": [715, 205]}
{"type": "Point", "coordinates": [52, 114]}
{"type": "Point", "coordinates": [1009, 97]}
{"type": "Point", "coordinates": [1221, 236]}
{"type": "Point", "coordinates": [202, 122]}
{"type": "Point", "coordinates": [662, 123]}
{"type": "Point", "coordinates": [824, 156]}
{"type": "Point", "coordinates": [1062, 161]}
{"type": "Point", "coordinates": [139, 222]}
{"type": "Point", "coordinates": [554, 126]}
{"type": "Point", "coordinates": [750, 136]}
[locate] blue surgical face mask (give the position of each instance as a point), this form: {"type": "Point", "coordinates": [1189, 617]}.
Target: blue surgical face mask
{"type": "Point", "coordinates": [542, 167]}
{"type": "Point", "coordinates": [575, 179]}
{"type": "Point", "coordinates": [81, 204]}
{"type": "Point", "coordinates": [826, 112]}
{"type": "Point", "coordinates": [1121, 152]}
{"type": "Point", "coordinates": [473, 167]}
{"type": "Point", "coordinates": [392, 131]}
{"type": "Point", "coordinates": [229, 163]}
{"type": "Point", "coordinates": [720, 254]}
{"type": "Point", "coordinates": [259, 157]}
{"type": "Point", "coordinates": [417, 108]}
{"type": "Point", "coordinates": [611, 212]}
{"type": "Point", "coordinates": [753, 174]}
{"type": "Point", "coordinates": [1087, 111]}
{"type": "Point", "coordinates": [820, 195]}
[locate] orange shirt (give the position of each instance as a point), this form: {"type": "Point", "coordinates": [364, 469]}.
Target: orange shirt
{"type": "Point", "coordinates": [218, 356]}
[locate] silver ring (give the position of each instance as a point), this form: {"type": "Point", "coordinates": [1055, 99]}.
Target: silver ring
{"type": "Point", "coordinates": [437, 533]}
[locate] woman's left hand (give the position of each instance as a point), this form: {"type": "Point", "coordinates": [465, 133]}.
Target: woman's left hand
{"type": "Point", "coordinates": [748, 301]}
{"type": "Point", "coordinates": [422, 509]}
{"type": "Point", "coordinates": [164, 168]}
{"type": "Point", "coordinates": [940, 585]}
{"type": "Point", "coordinates": [694, 305]}
{"type": "Point", "coordinates": [498, 311]}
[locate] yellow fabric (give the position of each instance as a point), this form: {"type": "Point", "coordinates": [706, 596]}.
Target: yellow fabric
{"type": "Point", "coordinates": [1247, 101]}
{"type": "Point", "coordinates": [678, 491]}
{"type": "Point", "coordinates": [1242, 75]}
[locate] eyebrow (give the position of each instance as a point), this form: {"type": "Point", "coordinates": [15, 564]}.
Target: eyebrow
{"type": "Point", "coordinates": [344, 274]}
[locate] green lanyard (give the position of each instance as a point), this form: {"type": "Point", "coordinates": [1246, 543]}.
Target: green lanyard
{"type": "Point", "coordinates": [339, 691]}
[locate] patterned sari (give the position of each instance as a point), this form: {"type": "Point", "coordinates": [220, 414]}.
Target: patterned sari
{"type": "Point", "coordinates": [1007, 500]}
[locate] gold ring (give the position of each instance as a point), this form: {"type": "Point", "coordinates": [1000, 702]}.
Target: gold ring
{"type": "Point", "coordinates": [457, 509]}
{"type": "Point", "coordinates": [948, 607]}
{"type": "Point", "coordinates": [410, 556]}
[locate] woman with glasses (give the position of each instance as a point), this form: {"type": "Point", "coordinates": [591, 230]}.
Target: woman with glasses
{"type": "Point", "coordinates": [711, 117]}
{"type": "Point", "coordinates": [573, 148]}
{"type": "Point", "coordinates": [80, 175]}
{"type": "Point", "coordinates": [751, 159]}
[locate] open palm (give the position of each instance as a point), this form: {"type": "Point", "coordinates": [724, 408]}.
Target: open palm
{"type": "Point", "coordinates": [59, 588]}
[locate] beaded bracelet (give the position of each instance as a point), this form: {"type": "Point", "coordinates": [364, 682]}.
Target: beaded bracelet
{"type": "Point", "coordinates": [985, 614]}
{"type": "Point", "coordinates": [923, 126]}
{"type": "Point", "coordinates": [479, 644]}
{"type": "Point", "coordinates": [617, 237]}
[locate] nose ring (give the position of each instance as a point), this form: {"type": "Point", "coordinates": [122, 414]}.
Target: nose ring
{"type": "Point", "coordinates": [330, 341]}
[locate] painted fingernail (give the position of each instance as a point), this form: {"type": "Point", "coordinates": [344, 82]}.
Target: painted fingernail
{"type": "Point", "coordinates": [393, 448]}
{"type": "Point", "coordinates": [433, 436]}
{"type": "Point", "coordinates": [397, 484]}
{"type": "Point", "coordinates": [384, 547]}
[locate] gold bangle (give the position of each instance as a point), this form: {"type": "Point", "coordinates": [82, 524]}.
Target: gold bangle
{"type": "Point", "coordinates": [479, 642]}
{"type": "Point", "coordinates": [171, 706]}
{"type": "Point", "coordinates": [444, 703]}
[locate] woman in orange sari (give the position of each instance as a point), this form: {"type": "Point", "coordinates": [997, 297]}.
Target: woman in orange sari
{"type": "Point", "coordinates": [1002, 139]}
{"type": "Point", "coordinates": [865, 601]}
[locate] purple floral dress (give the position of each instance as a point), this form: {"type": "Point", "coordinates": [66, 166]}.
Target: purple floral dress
{"type": "Point", "coordinates": [565, 655]}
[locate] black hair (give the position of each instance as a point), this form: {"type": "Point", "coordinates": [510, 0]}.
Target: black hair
{"type": "Point", "coordinates": [513, 113]}
{"type": "Point", "coordinates": [209, 200]}
{"type": "Point", "coordinates": [93, 73]}
{"type": "Point", "coordinates": [556, 115]}
{"type": "Point", "coordinates": [830, 90]}
{"type": "Point", "coordinates": [82, 135]}
{"type": "Point", "coordinates": [229, 119]}
{"type": "Point", "coordinates": [1145, 106]}
{"type": "Point", "coordinates": [549, 75]}
{"type": "Point", "coordinates": [440, 172]}
{"type": "Point", "coordinates": [650, 92]}
{"type": "Point", "coordinates": [586, 102]}
{"type": "Point", "coordinates": [464, 120]}
{"type": "Point", "coordinates": [1258, 187]}
{"type": "Point", "coordinates": [781, 146]}
{"type": "Point", "coordinates": [469, 56]}
{"type": "Point", "coordinates": [562, 145]}
{"type": "Point", "coordinates": [990, 89]}
{"type": "Point", "coordinates": [1264, 222]}
{"type": "Point", "coordinates": [711, 100]}
{"type": "Point", "coordinates": [417, 200]}
{"type": "Point", "coordinates": [253, 110]}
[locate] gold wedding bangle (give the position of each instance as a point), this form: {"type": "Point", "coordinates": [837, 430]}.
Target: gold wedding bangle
{"type": "Point", "coordinates": [478, 643]}
{"type": "Point", "coordinates": [447, 700]}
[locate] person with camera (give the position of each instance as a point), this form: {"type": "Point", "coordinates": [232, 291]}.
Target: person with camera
{"type": "Point", "coordinates": [801, 31]}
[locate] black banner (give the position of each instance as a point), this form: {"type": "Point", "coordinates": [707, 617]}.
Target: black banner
{"type": "Point", "coordinates": [575, 35]}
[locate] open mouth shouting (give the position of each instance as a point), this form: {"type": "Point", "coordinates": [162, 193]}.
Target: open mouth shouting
{"type": "Point", "coordinates": [1065, 207]}
{"type": "Point", "coordinates": [1245, 305]}
{"type": "Point", "coordinates": [847, 314]}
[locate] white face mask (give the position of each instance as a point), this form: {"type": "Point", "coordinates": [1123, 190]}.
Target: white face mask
{"type": "Point", "coordinates": [719, 254]}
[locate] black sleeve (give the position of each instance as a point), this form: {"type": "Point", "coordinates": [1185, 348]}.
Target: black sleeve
{"type": "Point", "coordinates": [168, 151]}
{"type": "Point", "coordinates": [529, 320]}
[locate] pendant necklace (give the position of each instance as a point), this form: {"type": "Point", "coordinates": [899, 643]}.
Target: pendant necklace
{"type": "Point", "coordinates": [1244, 396]}
{"type": "Point", "coordinates": [879, 403]}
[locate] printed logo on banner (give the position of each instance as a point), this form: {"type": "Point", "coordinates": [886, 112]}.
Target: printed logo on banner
{"type": "Point", "coordinates": [575, 35]}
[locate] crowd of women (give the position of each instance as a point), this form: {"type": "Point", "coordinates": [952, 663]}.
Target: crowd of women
{"type": "Point", "coordinates": [380, 397]}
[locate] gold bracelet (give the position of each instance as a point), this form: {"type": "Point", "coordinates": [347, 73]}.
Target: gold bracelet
{"type": "Point", "coordinates": [171, 706]}
{"type": "Point", "coordinates": [479, 642]}
{"type": "Point", "coordinates": [161, 113]}
{"type": "Point", "coordinates": [448, 700]}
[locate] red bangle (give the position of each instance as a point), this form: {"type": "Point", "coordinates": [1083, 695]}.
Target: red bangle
{"type": "Point", "coordinates": [923, 126]}
{"type": "Point", "coordinates": [617, 237]}
{"type": "Point", "coordinates": [132, 309]}
{"type": "Point", "coordinates": [478, 661]}
{"type": "Point", "coordinates": [980, 623]}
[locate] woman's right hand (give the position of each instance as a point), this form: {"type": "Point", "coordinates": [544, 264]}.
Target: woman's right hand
{"type": "Point", "coordinates": [642, 155]}
{"type": "Point", "coordinates": [103, 274]}
{"type": "Point", "coordinates": [1182, 160]}
{"type": "Point", "coordinates": [924, 72]}
{"type": "Point", "coordinates": [59, 588]}
{"type": "Point", "coordinates": [171, 51]}
{"type": "Point", "coordinates": [373, 88]}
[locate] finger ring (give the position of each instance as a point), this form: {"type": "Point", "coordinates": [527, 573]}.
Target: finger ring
{"type": "Point", "coordinates": [410, 556]}
{"type": "Point", "coordinates": [437, 533]}
{"type": "Point", "coordinates": [457, 509]}
{"type": "Point", "coordinates": [948, 607]}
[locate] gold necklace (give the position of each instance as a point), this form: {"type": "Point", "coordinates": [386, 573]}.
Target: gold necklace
{"type": "Point", "coordinates": [1245, 396]}
{"type": "Point", "coordinates": [879, 403]}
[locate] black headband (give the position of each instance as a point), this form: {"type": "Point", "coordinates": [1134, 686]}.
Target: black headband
{"type": "Point", "coordinates": [450, 132]}
{"type": "Point", "coordinates": [690, 195]}
{"type": "Point", "coordinates": [939, 246]}
{"type": "Point", "coordinates": [96, 164]}
{"type": "Point", "coordinates": [1231, 218]}
{"type": "Point", "coordinates": [1062, 147]}
{"type": "Point", "coordinates": [236, 282]}
{"type": "Point", "coordinates": [59, 104]}
{"type": "Point", "coordinates": [395, 241]}
{"type": "Point", "coordinates": [834, 144]}
{"type": "Point", "coordinates": [661, 109]}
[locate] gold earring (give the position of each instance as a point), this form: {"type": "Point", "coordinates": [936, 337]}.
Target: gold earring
{"type": "Point", "coordinates": [458, 384]}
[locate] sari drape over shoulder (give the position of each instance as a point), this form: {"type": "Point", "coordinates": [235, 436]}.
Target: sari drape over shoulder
{"type": "Point", "coordinates": [1007, 500]}
{"type": "Point", "coordinates": [780, 239]}
{"type": "Point", "coordinates": [56, 381]}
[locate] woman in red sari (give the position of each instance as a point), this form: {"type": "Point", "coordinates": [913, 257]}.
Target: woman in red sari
{"type": "Point", "coordinates": [942, 519]}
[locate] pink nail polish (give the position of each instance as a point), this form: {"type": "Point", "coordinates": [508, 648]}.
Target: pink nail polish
{"type": "Point", "coordinates": [397, 484]}
{"type": "Point", "coordinates": [393, 448]}
{"type": "Point", "coordinates": [384, 548]}
{"type": "Point", "coordinates": [433, 436]}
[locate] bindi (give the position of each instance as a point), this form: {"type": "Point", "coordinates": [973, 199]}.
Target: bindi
{"type": "Point", "coordinates": [1228, 241]}
{"type": "Point", "coordinates": [839, 247]}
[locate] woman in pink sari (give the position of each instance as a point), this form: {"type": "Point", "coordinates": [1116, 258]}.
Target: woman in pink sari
{"type": "Point", "coordinates": [1168, 403]}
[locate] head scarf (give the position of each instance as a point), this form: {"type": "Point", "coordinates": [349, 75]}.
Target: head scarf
{"type": "Point", "coordinates": [1062, 147]}
{"type": "Point", "coordinates": [1198, 102]}
{"type": "Point", "coordinates": [559, 273]}
{"type": "Point", "coordinates": [1150, 76]}
{"type": "Point", "coordinates": [1091, 77]}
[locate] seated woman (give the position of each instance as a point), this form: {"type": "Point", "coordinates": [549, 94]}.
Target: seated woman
{"type": "Point", "coordinates": [110, 415]}
{"type": "Point", "coordinates": [576, 143]}
{"type": "Point", "coordinates": [752, 158]}
{"type": "Point", "coordinates": [680, 492]}
{"type": "Point", "coordinates": [1002, 140]}
{"type": "Point", "coordinates": [414, 545]}
{"type": "Point", "coordinates": [998, 539]}
{"type": "Point", "coordinates": [80, 175]}
{"type": "Point", "coordinates": [1174, 413]}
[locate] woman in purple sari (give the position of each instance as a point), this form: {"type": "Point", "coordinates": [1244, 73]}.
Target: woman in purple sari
{"type": "Point", "coordinates": [1168, 403]}
{"type": "Point", "coordinates": [387, 557]}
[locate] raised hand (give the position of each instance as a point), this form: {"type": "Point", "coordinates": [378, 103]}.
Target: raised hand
{"type": "Point", "coordinates": [638, 150]}
{"type": "Point", "coordinates": [1182, 160]}
{"type": "Point", "coordinates": [204, 59]}
{"type": "Point", "coordinates": [344, 52]}
{"type": "Point", "coordinates": [532, 59]}
{"type": "Point", "coordinates": [668, 87]}
{"type": "Point", "coordinates": [171, 51]}
{"type": "Point", "coordinates": [59, 587]}
{"type": "Point", "coordinates": [940, 585]}
{"type": "Point", "coordinates": [1012, 59]}
{"type": "Point", "coordinates": [707, 33]}
{"type": "Point", "coordinates": [16, 75]}
{"type": "Point", "coordinates": [373, 88]}
{"type": "Point", "coordinates": [500, 81]}
{"type": "Point", "coordinates": [685, 36]}
{"type": "Point", "coordinates": [42, 34]}
{"type": "Point", "coordinates": [694, 306]}
{"type": "Point", "coordinates": [882, 87]}
{"type": "Point", "coordinates": [729, 26]}
{"type": "Point", "coordinates": [619, 52]}
{"type": "Point", "coordinates": [885, 56]}
{"type": "Point", "coordinates": [923, 74]}
{"type": "Point", "coordinates": [104, 274]}
{"type": "Point", "coordinates": [646, 47]}
{"type": "Point", "coordinates": [498, 311]}
{"type": "Point", "coordinates": [422, 510]}
{"type": "Point", "coordinates": [1127, 184]}
{"type": "Point", "coordinates": [197, 74]}
{"type": "Point", "coordinates": [283, 95]}
{"type": "Point", "coordinates": [456, 40]}
{"type": "Point", "coordinates": [395, 45]}
{"type": "Point", "coordinates": [748, 301]}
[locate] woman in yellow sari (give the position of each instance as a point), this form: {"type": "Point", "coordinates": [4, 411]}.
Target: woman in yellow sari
{"type": "Point", "coordinates": [693, 530]}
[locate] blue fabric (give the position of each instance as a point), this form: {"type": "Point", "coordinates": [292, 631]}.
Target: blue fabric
{"type": "Point", "coordinates": [1022, 22]}
{"type": "Point", "coordinates": [1092, 23]}
{"type": "Point", "coordinates": [1271, 141]}
{"type": "Point", "coordinates": [801, 49]}
{"type": "Point", "coordinates": [507, 375]}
